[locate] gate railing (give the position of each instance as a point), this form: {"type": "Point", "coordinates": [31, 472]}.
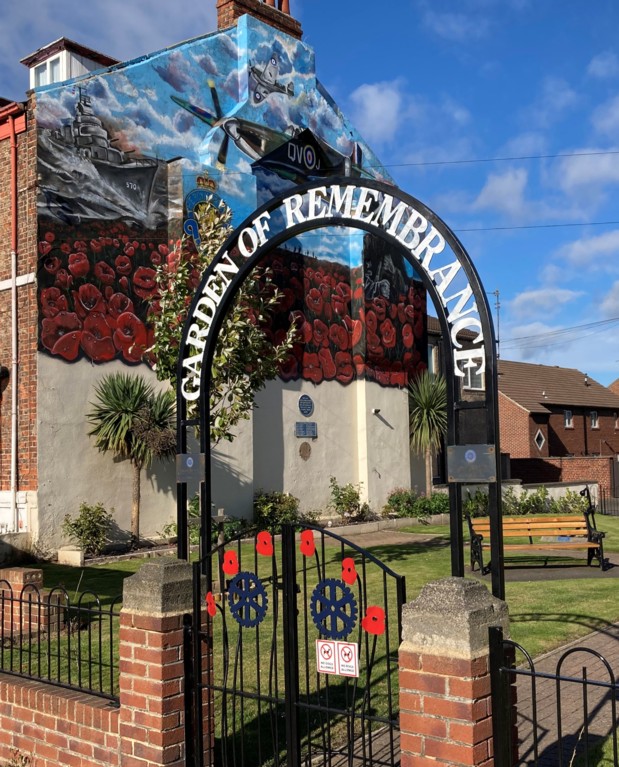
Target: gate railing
{"type": "Point", "coordinates": [46, 636]}
{"type": "Point", "coordinates": [261, 679]}
{"type": "Point", "coordinates": [563, 715]}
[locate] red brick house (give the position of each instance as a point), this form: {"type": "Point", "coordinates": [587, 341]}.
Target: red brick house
{"type": "Point", "coordinates": [557, 424]}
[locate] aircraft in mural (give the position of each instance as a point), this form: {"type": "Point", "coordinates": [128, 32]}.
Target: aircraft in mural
{"type": "Point", "coordinates": [251, 138]}
{"type": "Point", "coordinates": [261, 144]}
{"type": "Point", "coordinates": [264, 81]}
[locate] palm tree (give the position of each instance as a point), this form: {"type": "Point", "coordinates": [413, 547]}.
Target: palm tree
{"type": "Point", "coordinates": [427, 397]}
{"type": "Point", "coordinates": [133, 421]}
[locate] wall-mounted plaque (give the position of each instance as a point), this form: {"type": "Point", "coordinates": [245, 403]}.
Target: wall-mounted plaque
{"type": "Point", "coordinates": [471, 463]}
{"type": "Point", "coordinates": [306, 429]}
{"type": "Point", "coordinates": [306, 405]}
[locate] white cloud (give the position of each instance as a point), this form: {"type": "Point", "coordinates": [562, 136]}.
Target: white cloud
{"type": "Point", "coordinates": [605, 118]}
{"type": "Point", "coordinates": [526, 144]}
{"type": "Point", "coordinates": [457, 27]}
{"type": "Point", "coordinates": [599, 253]}
{"type": "Point", "coordinates": [604, 66]}
{"type": "Point", "coordinates": [377, 110]}
{"type": "Point", "coordinates": [593, 171]}
{"type": "Point", "coordinates": [555, 99]}
{"type": "Point", "coordinates": [548, 301]}
{"type": "Point", "coordinates": [504, 192]}
{"type": "Point", "coordinates": [610, 302]}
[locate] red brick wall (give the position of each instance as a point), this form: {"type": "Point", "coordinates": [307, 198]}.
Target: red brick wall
{"type": "Point", "coordinates": [514, 428]}
{"type": "Point", "coordinates": [56, 726]}
{"type": "Point", "coordinates": [228, 11]}
{"type": "Point", "coordinates": [63, 728]}
{"type": "Point", "coordinates": [577, 469]}
{"type": "Point", "coordinates": [26, 385]}
{"type": "Point", "coordinates": [581, 439]}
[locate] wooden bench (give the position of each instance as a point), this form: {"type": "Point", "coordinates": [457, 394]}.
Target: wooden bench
{"type": "Point", "coordinates": [545, 533]}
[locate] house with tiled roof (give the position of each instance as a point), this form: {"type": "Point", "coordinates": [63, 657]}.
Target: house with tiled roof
{"type": "Point", "coordinates": [557, 424]}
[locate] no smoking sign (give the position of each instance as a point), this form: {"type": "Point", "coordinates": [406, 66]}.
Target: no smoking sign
{"type": "Point", "coordinates": [341, 658]}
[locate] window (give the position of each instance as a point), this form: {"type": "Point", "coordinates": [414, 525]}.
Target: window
{"type": "Point", "coordinates": [47, 73]}
{"type": "Point", "coordinates": [540, 440]}
{"type": "Point", "coordinates": [568, 419]}
{"type": "Point", "coordinates": [594, 419]}
{"type": "Point", "coordinates": [616, 420]}
{"type": "Point", "coordinates": [473, 379]}
{"type": "Point", "coordinates": [40, 75]}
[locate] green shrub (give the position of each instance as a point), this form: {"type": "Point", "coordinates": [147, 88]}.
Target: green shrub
{"type": "Point", "coordinates": [536, 502]}
{"type": "Point", "coordinates": [401, 503]}
{"type": "Point", "coordinates": [529, 502]}
{"type": "Point", "coordinates": [233, 526]}
{"type": "Point", "coordinates": [275, 508]}
{"type": "Point", "coordinates": [437, 503]}
{"type": "Point", "coordinates": [346, 502]}
{"type": "Point", "coordinates": [90, 528]}
{"type": "Point", "coordinates": [511, 503]}
{"type": "Point", "coordinates": [475, 505]}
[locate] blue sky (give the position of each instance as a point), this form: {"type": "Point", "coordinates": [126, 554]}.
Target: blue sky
{"type": "Point", "coordinates": [501, 115]}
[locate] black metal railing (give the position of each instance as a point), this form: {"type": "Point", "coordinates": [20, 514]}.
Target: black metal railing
{"type": "Point", "coordinates": [607, 504]}
{"type": "Point", "coordinates": [45, 636]}
{"type": "Point", "coordinates": [560, 712]}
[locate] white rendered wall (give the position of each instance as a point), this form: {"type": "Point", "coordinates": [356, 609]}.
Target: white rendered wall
{"type": "Point", "coordinates": [353, 445]}
{"type": "Point", "coordinates": [72, 470]}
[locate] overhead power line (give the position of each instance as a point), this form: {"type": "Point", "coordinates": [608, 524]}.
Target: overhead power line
{"type": "Point", "coordinates": [560, 336]}
{"type": "Point", "coordinates": [472, 161]}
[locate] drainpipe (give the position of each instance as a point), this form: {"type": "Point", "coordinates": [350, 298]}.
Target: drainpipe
{"type": "Point", "coordinates": [15, 388]}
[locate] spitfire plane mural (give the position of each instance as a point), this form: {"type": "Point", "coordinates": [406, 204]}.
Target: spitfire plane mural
{"type": "Point", "coordinates": [263, 82]}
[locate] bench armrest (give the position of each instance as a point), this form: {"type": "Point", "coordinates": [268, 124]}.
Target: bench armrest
{"type": "Point", "coordinates": [594, 534]}
{"type": "Point", "coordinates": [474, 536]}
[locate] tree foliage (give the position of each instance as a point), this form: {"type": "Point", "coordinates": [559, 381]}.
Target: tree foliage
{"type": "Point", "coordinates": [428, 417]}
{"type": "Point", "coordinates": [133, 421]}
{"type": "Point", "coordinates": [246, 355]}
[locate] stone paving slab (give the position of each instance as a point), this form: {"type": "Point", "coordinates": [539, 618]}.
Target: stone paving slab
{"type": "Point", "coordinates": [569, 714]}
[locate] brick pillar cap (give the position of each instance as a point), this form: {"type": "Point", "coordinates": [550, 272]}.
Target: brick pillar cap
{"type": "Point", "coordinates": [451, 617]}
{"type": "Point", "coordinates": [161, 586]}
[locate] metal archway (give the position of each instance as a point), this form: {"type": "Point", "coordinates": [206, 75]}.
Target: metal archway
{"type": "Point", "coordinates": [451, 280]}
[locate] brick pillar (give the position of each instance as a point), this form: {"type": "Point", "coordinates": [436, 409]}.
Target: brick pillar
{"type": "Point", "coordinates": [445, 711]}
{"type": "Point", "coordinates": [152, 711]}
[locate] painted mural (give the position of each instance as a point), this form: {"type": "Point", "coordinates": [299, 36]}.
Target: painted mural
{"type": "Point", "coordinates": [126, 155]}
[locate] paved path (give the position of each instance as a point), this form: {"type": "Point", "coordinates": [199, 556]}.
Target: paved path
{"type": "Point", "coordinates": [564, 714]}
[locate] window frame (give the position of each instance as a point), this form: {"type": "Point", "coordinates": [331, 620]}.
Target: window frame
{"type": "Point", "coordinates": [568, 420]}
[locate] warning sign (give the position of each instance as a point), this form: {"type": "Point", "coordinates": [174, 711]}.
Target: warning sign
{"type": "Point", "coordinates": [340, 658]}
{"type": "Point", "coordinates": [348, 660]}
{"type": "Point", "coordinates": [326, 657]}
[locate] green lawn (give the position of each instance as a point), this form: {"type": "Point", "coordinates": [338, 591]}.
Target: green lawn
{"type": "Point", "coordinates": [543, 614]}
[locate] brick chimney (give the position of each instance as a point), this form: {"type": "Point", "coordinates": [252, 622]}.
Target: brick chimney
{"type": "Point", "coordinates": [276, 13]}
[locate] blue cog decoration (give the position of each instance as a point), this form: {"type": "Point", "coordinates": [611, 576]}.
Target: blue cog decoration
{"type": "Point", "coordinates": [247, 599]}
{"type": "Point", "coordinates": [333, 608]}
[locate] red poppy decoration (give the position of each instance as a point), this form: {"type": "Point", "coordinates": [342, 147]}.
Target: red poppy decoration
{"type": "Point", "coordinates": [211, 607]}
{"type": "Point", "coordinates": [308, 547]}
{"type": "Point", "coordinates": [231, 563]}
{"type": "Point", "coordinates": [349, 574]}
{"type": "Point", "coordinates": [264, 544]}
{"type": "Point", "coordinates": [374, 621]}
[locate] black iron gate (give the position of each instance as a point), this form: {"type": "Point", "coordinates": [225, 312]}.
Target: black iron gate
{"type": "Point", "coordinates": [559, 711]}
{"type": "Point", "coordinates": [291, 654]}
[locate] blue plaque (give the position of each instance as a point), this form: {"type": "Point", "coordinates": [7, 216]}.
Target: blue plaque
{"type": "Point", "coordinates": [306, 405]}
{"type": "Point", "coordinates": [306, 429]}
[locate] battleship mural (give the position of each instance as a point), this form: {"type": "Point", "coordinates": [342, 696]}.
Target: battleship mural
{"type": "Point", "coordinates": [126, 154]}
